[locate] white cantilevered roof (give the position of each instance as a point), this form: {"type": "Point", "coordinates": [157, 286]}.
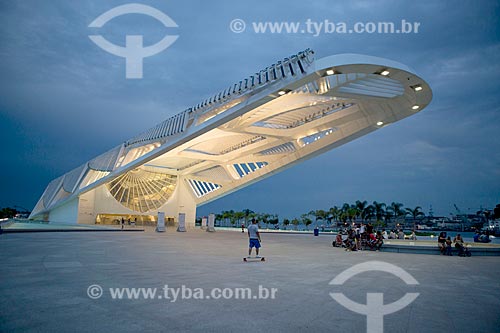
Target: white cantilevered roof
{"type": "Point", "coordinates": [289, 111]}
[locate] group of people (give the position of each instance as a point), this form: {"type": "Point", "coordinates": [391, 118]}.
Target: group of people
{"type": "Point", "coordinates": [481, 237]}
{"type": "Point", "coordinates": [360, 239]}
{"type": "Point", "coordinates": [399, 234]}
{"type": "Point", "coordinates": [445, 245]}
{"type": "Point", "coordinates": [133, 223]}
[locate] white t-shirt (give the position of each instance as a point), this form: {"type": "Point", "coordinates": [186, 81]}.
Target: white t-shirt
{"type": "Point", "coordinates": [252, 230]}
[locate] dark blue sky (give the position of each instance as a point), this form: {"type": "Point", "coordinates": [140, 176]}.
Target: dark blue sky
{"type": "Point", "coordinates": [63, 100]}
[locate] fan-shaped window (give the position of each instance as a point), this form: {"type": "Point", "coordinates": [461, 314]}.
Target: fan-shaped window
{"type": "Point", "coordinates": [142, 190]}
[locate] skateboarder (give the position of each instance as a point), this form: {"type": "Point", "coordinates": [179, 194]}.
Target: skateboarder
{"type": "Point", "coordinates": [254, 237]}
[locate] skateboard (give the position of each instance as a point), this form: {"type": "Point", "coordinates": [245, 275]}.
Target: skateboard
{"type": "Point", "coordinates": [248, 259]}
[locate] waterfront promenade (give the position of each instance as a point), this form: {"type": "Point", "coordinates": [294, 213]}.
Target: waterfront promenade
{"type": "Point", "coordinates": [45, 280]}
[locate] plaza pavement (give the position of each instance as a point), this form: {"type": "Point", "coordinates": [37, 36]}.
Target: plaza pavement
{"type": "Point", "coordinates": [45, 276]}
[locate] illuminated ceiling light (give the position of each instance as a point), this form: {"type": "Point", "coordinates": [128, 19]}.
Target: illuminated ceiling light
{"type": "Point", "coordinates": [330, 72]}
{"type": "Point", "coordinates": [380, 123]}
{"type": "Point", "coordinates": [415, 107]}
{"type": "Point", "coordinates": [384, 72]}
{"type": "Point", "coordinates": [417, 88]}
{"type": "Point", "coordinates": [283, 92]}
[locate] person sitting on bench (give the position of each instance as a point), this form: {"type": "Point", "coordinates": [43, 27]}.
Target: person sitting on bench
{"type": "Point", "coordinates": [459, 244]}
{"type": "Point", "coordinates": [442, 242]}
{"type": "Point", "coordinates": [338, 241]}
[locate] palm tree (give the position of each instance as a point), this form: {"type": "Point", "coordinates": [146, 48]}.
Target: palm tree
{"type": "Point", "coordinates": [237, 217]}
{"type": "Point", "coordinates": [395, 209]}
{"type": "Point", "coordinates": [344, 212]}
{"type": "Point", "coordinates": [295, 222]}
{"type": "Point", "coordinates": [361, 207]}
{"type": "Point", "coordinates": [378, 207]}
{"type": "Point", "coordinates": [219, 217]}
{"type": "Point", "coordinates": [273, 219]}
{"type": "Point", "coordinates": [369, 212]}
{"type": "Point", "coordinates": [415, 213]}
{"type": "Point", "coordinates": [286, 222]}
{"type": "Point", "coordinates": [248, 214]}
{"type": "Point", "coordinates": [389, 214]}
{"type": "Point", "coordinates": [265, 218]}
{"type": "Point", "coordinates": [227, 215]}
{"type": "Point", "coordinates": [333, 214]}
{"type": "Point", "coordinates": [306, 220]}
{"type": "Point", "coordinates": [352, 212]}
{"type": "Point", "coordinates": [319, 215]}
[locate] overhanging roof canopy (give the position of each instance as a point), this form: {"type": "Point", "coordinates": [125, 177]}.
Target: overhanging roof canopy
{"type": "Point", "coordinates": [292, 110]}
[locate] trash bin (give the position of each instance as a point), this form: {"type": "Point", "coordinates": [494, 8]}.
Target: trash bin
{"type": "Point", "coordinates": [316, 232]}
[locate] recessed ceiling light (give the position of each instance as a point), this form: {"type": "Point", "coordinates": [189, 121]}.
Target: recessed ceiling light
{"type": "Point", "coordinates": [380, 123]}
{"type": "Point", "coordinates": [415, 107]}
{"type": "Point", "coordinates": [281, 92]}
{"type": "Point", "coordinates": [330, 72]}
{"type": "Point", "coordinates": [418, 88]}
{"type": "Point", "coordinates": [385, 72]}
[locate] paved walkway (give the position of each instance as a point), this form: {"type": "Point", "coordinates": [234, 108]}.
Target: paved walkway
{"type": "Point", "coordinates": [45, 276]}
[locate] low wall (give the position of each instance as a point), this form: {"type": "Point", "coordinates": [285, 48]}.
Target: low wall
{"type": "Point", "coordinates": [424, 247]}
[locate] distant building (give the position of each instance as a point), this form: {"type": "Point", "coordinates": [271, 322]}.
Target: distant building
{"type": "Point", "coordinates": [493, 226]}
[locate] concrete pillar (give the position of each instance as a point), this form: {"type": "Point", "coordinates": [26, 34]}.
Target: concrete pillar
{"type": "Point", "coordinates": [183, 202]}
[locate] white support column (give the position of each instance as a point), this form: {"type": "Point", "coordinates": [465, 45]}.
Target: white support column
{"type": "Point", "coordinates": [182, 202]}
{"type": "Point", "coordinates": [211, 223]}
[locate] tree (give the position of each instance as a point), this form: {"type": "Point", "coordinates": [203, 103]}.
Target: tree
{"type": "Point", "coordinates": [344, 212]}
{"type": "Point", "coordinates": [389, 214]}
{"type": "Point", "coordinates": [361, 208]}
{"type": "Point", "coordinates": [248, 214]}
{"type": "Point", "coordinates": [265, 218]}
{"type": "Point", "coordinates": [415, 213]}
{"type": "Point", "coordinates": [306, 220]}
{"type": "Point", "coordinates": [237, 216]}
{"type": "Point", "coordinates": [395, 209]}
{"type": "Point", "coordinates": [318, 215]}
{"type": "Point", "coordinates": [295, 222]}
{"type": "Point", "coordinates": [219, 217]}
{"type": "Point", "coordinates": [274, 219]}
{"type": "Point", "coordinates": [379, 209]}
{"type": "Point", "coordinates": [286, 222]}
{"type": "Point", "coordinates": [369, 212]}
{"type": "Point", "coordinates": [7, 212]}
{"type": "Point", "coordinates": [352, 212]}
{"type": "Point", "coordinates": [496, 212]}
{"type": "Point", "coordinates": [333, 214]}
{"type": "Point", "coordinates": [228, 215]}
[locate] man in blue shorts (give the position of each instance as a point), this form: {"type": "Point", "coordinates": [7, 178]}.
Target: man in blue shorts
{"type": "Point", "coordinates": [254, 236]}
